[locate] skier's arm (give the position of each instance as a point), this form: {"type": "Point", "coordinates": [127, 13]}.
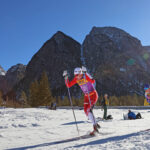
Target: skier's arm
{"type": "Point", "coordinates": [88, 78]}
{"type": "Point", "coordinates": [70, 83]}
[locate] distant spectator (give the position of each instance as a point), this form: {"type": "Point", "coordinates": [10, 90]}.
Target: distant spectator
{"type": "Point", "coordinates": [132, 115]}
{"type": "Point", "coordinates": [53, 106]}
{"type": "Point", "coordinates": [104, 104]}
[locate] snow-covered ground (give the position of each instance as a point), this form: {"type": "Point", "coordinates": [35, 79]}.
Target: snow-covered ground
{"type": "Point", "coordinates": [45, 129]}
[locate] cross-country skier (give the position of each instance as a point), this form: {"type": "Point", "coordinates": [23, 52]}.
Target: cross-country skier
{"type": "Point", "coordinates": [85, 81]}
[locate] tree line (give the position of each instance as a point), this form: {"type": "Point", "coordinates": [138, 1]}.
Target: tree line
{"type": "Point", "coordinates": [40, 94]}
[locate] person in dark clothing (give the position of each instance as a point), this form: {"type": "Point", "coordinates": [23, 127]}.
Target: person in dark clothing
{"type": "Point", "coordinates": [53, 106]}
{"type": "Point", "coordinates": [132, 115]}
{"type": "Point", "coordinates": [138, 116]}
{"type": "Point", "coordinates": [104, 104]}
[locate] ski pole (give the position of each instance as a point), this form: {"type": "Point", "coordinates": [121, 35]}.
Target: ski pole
{"type": "Point", "coordinates": [72, 108]}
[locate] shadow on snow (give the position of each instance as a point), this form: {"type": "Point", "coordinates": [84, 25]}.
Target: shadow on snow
{"type": "Point", "coordinates": [111, 139]}
{"type": "Point", "coordinates": [100, 141]}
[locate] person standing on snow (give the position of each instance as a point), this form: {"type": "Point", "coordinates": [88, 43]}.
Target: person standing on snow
{"type": "Point", "coordinates": [104, 104]}
{"type": "Point", "coordinates": [85, 81]}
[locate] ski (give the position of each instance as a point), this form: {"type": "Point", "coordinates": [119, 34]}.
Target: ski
{"type": "Point", "coordinates": [73, 139]}
{"type": "Point", "coordinates": [101, 119]}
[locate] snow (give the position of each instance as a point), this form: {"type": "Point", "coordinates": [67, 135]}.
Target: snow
{"type": "Point", "coordinates": [122, 69]}
{"type": "Point", "coordinates": [40, 128]}
{"type": "Point", "coordinates": [2, 72]}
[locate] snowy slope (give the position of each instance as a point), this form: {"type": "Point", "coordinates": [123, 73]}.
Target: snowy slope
{"type": "Point", "coordinates": [44, 129]}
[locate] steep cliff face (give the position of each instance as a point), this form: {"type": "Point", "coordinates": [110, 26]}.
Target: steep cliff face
{"type": "Point", "coordinates": [10, 78]}
{"type": "Point", "coordinates": [14, 75]}
{"type": "Point", "coordinates": [56, 55]}
{"type": "Point", "coordinates": [117, 61]}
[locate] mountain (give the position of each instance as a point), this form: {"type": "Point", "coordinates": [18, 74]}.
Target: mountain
{"type": "Point", "coordinates": [147, 48]}
{"type": "Point", "coordinates": [59, 53]}
{"type": "Point", "coordinates": [117, 60]}
{"type": "Point", "coordinates": [12, 77]}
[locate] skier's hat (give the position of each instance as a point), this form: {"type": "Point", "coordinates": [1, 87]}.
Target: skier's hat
{"type": "Point", "coordinates": [77, 70]}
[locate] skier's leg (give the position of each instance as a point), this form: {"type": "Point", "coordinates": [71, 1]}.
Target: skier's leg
{"type": "Point", "coordinates": [91, 115]}
{"type": "Point", "coordinates": [94, 98]}
{"type": "Point", "coordinates": [88, 111]}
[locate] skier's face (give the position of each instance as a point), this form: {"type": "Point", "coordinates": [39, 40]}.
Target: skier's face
{"type": "Point", "coordinates": [79, 76]}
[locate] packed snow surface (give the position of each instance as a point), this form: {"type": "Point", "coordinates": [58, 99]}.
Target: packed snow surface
{"type": "Point", "coordinates": [41, 128]}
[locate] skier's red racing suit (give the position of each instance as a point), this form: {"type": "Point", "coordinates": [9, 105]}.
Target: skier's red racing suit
{"type": "Point", "coordinates": [86, 84]}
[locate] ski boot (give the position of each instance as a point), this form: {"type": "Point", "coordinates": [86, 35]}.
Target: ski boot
{"type": "Point", "coordinates": [98, 126]}
{"type": "Point", "coordinates": [95, 129]}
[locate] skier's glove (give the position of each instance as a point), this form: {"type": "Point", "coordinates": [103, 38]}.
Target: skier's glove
{"type": "Point", "coordinates": [65, 74]}
{"type": "Point", "coordinates": [84, 70]}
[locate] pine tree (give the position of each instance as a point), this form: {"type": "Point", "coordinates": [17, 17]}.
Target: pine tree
{"type": "Point", "coordinates": [45, 95]}
{"type": "Point", "coordinates": [40, 93]}
{"type": "Point", "coordinates": [1, 100]}
{"type": "Point", "coordinates": [23, 99]}
{"type": "Point", "coordinates": [33, 97]}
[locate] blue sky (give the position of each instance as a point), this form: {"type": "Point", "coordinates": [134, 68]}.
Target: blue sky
{"type": "Point", "coordinates": [26, 24]}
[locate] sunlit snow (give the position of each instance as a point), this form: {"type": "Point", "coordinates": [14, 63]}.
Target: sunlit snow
{"type": "Point", "coordinates": [40, 128]}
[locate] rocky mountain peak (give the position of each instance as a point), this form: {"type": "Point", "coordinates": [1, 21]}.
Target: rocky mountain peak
{"type": "Point", "coordinates": [118, 36]}
{"type": "Point", "coordinates": [14, 75]}
{"type": "Point", "coordinates": [110, 31]}
{"type": "Point", "coordinates": [60, 35]}
{"type": "Point", "coordinates": [117, 59]}
{"type": "Point", "coordinates": [17, 68]}
{"type": "Point", "coordinates": [57, 54]}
